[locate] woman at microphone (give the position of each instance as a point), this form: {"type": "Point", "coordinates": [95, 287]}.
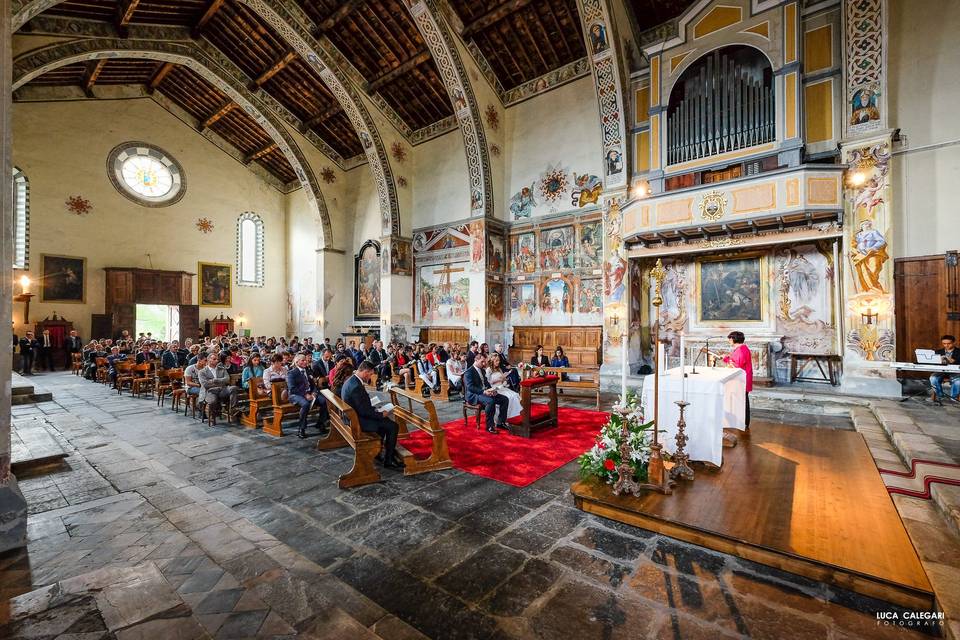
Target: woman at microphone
{"type": "Point", "coordinates": [740, 358]}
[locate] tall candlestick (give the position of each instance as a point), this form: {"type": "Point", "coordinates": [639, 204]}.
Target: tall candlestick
{"type": "Point", "coordinates": [683, 371]}
{"type": "Point", "coordinates": [624, 363]}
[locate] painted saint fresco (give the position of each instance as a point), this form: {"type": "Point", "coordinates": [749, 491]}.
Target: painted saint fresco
{"type": "Point", "coordinates": [590, 296]}
{"type": "Point", "coordinates": [444, 294]}
{"type": "Point", "coordinates": [401, 257]}
{"type": "Point", "coordinates": [586, 190]}
{"type": "Point", "coordinates": [598, 38]}
{"type": "Point", "coordinates": [591, 244]}
{"type": "Point", "coordinates": [614, 273]}
{"type": "Point", "coordinates": [496, 252]}
{"type": "Point", "coordinates": [495, 306]}
{"type": "Point", "coordinates": [556, 248]}
{"type": "Point", "coordinates": [367, 273]}
{"type": "Point", "coordinates": [556, 302]}
{"type": "Point", "coordinates": [523, 253]}
{"type": "Point", "coordinates": [864, 107]}
{"type": "Point", "coordinates": [522, 203]}
{"type": "Point", "coordinates": [523, 304]}
{"type": "Point", "coordinates": [731, 290]}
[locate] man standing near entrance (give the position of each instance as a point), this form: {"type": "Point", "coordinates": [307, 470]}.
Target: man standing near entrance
{"type": "Point", "coordinates": [45, 344]}
{"type": "Point", "coordinates": [27, 350]}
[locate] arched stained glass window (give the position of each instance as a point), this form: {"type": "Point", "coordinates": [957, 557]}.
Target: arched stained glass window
{"type": "Point", "coordinates": [250, 250]}
{"type": "Point", "coordinates": [21, 220]}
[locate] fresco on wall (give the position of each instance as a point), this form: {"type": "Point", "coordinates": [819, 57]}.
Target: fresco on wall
{"type": "Point", "coordinates": [590, 297]}
{"type": "Point", "coordinates": [523, 253]}
{"type": "Point", "coordinates": [523, 304]}
{"type": "Point", "coordinates": [495, 306]}
{"type": "Point", "coordinates": [367, 275]}
{"type": "Point", "coordinates": [557, 188]}
{"type": "Point", "coordinates": [496, 251]}
{"type": "Point", "coordinates": [556, 248]}
{"type": "Point", "coordinates": [591, 244]}
{"type": "Point", "coordinates": [444, 294]}
{"type": "Point", "coordinates": [614, 273]}
{"type": "Point", "coordinates": [401, 257]}
{"type": "Point", "coordinates": [556, 302]}
{"type": "Point", "coordinates": [587, 189]}
{"type": "Point", "coordinates": [598, 38]}
{"type": "Point", "coordinates": [805, 290]}
{"type": "Point", "coordinates": [442, 238]}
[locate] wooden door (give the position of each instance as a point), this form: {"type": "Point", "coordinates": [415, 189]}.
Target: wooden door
{"type": "Point", "coordinates": [189, 321]}
{"type": "Point", "coordinates": [927, 305]}
{"type": "Point", "coordinates": [101, 326]}
{"type": "Point", "coordinates": [124, 317]}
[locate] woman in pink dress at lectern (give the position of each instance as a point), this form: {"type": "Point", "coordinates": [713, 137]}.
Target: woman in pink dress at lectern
{"type": "Point", "coordinates": [740, 357]}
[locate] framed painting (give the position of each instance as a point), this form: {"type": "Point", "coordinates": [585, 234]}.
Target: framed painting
{"type": "Point", "coordinates": [63, 279]}
{"type": "Point", "coordinates": [213, 288]}
{"type": "Point", "coordinates": [732, 290]}
{"type": "Point", "coordinates": [401, 257]}
{"type": "Point", "coordinates": [366, 304]}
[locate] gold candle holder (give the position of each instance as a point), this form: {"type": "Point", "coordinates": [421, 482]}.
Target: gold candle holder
{"type": "Point", "coordinates": [681, 469]}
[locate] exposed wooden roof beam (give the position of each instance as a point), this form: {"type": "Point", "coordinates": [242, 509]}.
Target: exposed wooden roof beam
{"type": "Point", "coordinates": [407, 65]}
{"type": "Point", "coordinates": [492, 16]}
{"type": "Point", "coordinates": [342, 12]}
{"type": "Point", "coordinates": [221, 111]}
{"type": "Point", "coordinates": [274, 69]}
{"type": "Point", "coordinates": [321, 117]}
{"type": "Point", "coordinates": [125, 11]}
{"type": "Point", "coordinates": [159, 76]}
{"type": "Point", "coordinates": [94, 68]}
{"type": "Point", "coordinates": [211, 11]}
{"type": "Point", "coordinates": [259, 153]}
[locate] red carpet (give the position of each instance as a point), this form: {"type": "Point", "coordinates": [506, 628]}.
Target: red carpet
{"type": "Point", "coordinates": [511, 459]}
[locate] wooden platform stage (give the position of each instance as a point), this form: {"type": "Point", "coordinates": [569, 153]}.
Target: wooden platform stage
{"type": "Point", "coordinates": [805, 500]}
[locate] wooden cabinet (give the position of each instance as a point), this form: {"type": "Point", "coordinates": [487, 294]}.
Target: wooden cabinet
{"type": "Point", "coordinates": [583, 346]}
{"type": "Point", "coordinates": [147, 286]}
{"type": "Point", "coordinates": [440, 335]}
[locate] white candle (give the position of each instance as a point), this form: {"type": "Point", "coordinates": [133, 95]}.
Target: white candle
{"type": "Point", "coordinates": [683, 372]}
{"type": "Point", "coordinates": [624, 363]}
{"type": "Point", "coordinates": [661, 358]}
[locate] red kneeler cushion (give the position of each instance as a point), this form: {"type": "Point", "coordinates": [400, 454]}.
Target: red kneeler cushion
{"type": "Point", "coordinates": [538, 412]}
{"type": "Point", "coordinates": [533, 382]}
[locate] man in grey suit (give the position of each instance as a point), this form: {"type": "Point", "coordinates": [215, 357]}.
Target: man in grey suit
{"type": "Point", "coordinates": [215, 382]}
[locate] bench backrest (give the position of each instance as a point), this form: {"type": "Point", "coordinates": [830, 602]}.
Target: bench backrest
{"type": "Point", "coordinates": [403, 402]}
{"type": "Point", "coordinates": [342, 417]}
{"type": "Point", "coordinates": [277, 392]}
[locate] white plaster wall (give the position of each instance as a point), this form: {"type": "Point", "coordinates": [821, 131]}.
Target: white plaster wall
{"type": "Point", "coordinates": [440, 183]}
{"type": "Point", "coordinates": [559, 126]}
{"type": "Point", "coordinates": [924, 88]}
{"type": "Point", "coordinates": [62, 148]}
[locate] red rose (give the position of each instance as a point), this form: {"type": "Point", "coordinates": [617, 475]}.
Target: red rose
{"type": "Point", "coordinates": [609, 464]}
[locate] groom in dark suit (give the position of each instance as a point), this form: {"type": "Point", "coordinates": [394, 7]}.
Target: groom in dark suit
{"type": "Point", "coordinates": [477, 390]}
{"type": "Point", "coordinates": [355, 394]}
{"type": "Point", "coordinates": [303, 392]}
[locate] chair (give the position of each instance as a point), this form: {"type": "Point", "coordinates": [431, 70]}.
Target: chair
{"type": "Point", "coordinates": [76, 363]}
{"type": "Point", "coordinates": [478, 408]}
{"type": "Point", "coordinates": [166, 382]}
{"type": "Point", "coordinates": [102, 370]}
{"type": "Point", "coordinates": [124, 376]}
{"type": "Point", "coordinates": [145, 382]}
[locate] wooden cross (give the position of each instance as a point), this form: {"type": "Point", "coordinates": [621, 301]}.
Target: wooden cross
{"type": "Point", "coordinates": [445, 274]}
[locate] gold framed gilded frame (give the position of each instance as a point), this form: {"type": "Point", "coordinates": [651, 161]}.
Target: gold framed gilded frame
{"type": "Point", "coordinates": [58, 280]}
{"type": "Point", "coordinates": [734, 262]}
{"type": "Point", "coordinates": [211, 277]}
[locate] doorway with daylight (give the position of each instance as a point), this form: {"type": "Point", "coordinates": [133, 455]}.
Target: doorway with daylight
{"type": "Point", "coordinates": [158, 321]}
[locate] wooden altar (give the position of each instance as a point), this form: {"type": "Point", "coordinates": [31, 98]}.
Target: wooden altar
{"type": "Point", "coordinates": [218, 326]}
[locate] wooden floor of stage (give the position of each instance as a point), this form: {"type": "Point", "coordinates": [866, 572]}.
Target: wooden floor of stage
{"type": "Point", "coordinates": [805, 500]}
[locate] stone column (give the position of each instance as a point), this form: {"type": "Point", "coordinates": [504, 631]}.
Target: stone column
{"type": "Point", "coordinates": [396, 289]}
{"type": "Point", "coordinates": [13, 508]}
{"type": "Point", "coordinates": [868, 306]}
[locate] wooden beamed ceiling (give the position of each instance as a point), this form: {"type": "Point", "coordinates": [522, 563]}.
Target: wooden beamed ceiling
{"type": "Point", "coordinates": [209, 106]}
{"type": "Point", "coordinates": [522, 39]}
{"type": "Point", "coordinates": [652, 13]}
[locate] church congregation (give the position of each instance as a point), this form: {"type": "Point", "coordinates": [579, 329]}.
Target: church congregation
{"type": "Point", "coordinates": [479, 319]}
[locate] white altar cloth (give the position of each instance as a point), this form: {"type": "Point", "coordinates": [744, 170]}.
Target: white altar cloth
{"type": "Point", "coordinates": [716, 397]}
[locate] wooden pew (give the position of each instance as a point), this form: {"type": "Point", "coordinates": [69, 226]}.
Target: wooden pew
{"type": "Point", "coordinates": [345, 430]}
{"type": "Point", "coordinates": [589, 379]}
{"type": "Point", "coordinates": [256, 405]}
{"type": "Point", "coordinates": [415, 373]}
{"type": "Point", "coordinates": [445, 388]}
{"type": "Point", "coordinates": [282, 407]}
{"type": "Point", "coordinates": [405, 418]}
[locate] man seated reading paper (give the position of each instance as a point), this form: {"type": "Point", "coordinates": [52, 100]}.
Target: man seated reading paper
{"type": "Point", "coordinates": [949, 354]}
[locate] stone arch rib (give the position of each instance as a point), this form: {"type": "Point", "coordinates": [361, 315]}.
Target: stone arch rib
{"type": "Point", "coordinates": [436, 34]}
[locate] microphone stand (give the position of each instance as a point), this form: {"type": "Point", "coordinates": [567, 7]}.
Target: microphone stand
{"type": "Point", "coordinates": [695, 360]}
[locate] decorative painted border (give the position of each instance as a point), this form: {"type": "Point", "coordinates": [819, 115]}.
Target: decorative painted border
{"type": "Point", "coordinates": [20, 181]}
{"type": "Point", "coordinates": [39, 61]}
{"type": "Point", "coordinates": [120, 153]}
{"type": "Point", "coordinates": [437, 37]}
{"type": "Point", "coordinates": [258, 248]}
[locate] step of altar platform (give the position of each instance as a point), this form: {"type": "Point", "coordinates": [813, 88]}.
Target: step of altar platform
{"type": "Point", "coordinates": [27, 391]}
{"type": "Point", "coordinates": [34, 449]}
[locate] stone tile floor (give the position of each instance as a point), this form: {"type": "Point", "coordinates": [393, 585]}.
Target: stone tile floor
{"type": "Point", "coordinates": [236, 534]}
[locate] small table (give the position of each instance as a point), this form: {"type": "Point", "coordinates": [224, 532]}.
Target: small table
{"type": "Point", "coordinates": [534, 417]}
{"type": "Point", "coordinates": [800, 361]}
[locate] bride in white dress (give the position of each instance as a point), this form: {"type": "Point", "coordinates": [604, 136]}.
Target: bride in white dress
{"type": "Point", "coordinates": [498, 380]}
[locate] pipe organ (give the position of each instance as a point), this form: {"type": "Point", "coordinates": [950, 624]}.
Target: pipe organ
{"type": "Point", "coordinates": [722, 103]}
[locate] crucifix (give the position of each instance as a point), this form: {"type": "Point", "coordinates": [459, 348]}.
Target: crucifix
{"type": "Point", "coordinates": [445, 274]}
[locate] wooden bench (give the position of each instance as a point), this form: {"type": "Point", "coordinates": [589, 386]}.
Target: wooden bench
{"type": "Point", "coordinates": [282, 407]}
{"type": "Point", "coordinates": [256, 404]}
{"type": "Point", "coordinates": [405, 417]}
{"type": "Point", "coordinates": [589, 379]}
{"type": "Point", "coordinates": [414, 373]}
{"type": "Point", "coordinates": [345, 431]}
{"type": "Point", "coordinates": [445, 388]}
{"type": "Point", "coordinates": [800, 361]}
{"type": "Point", "coordinates": [533, 417]}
